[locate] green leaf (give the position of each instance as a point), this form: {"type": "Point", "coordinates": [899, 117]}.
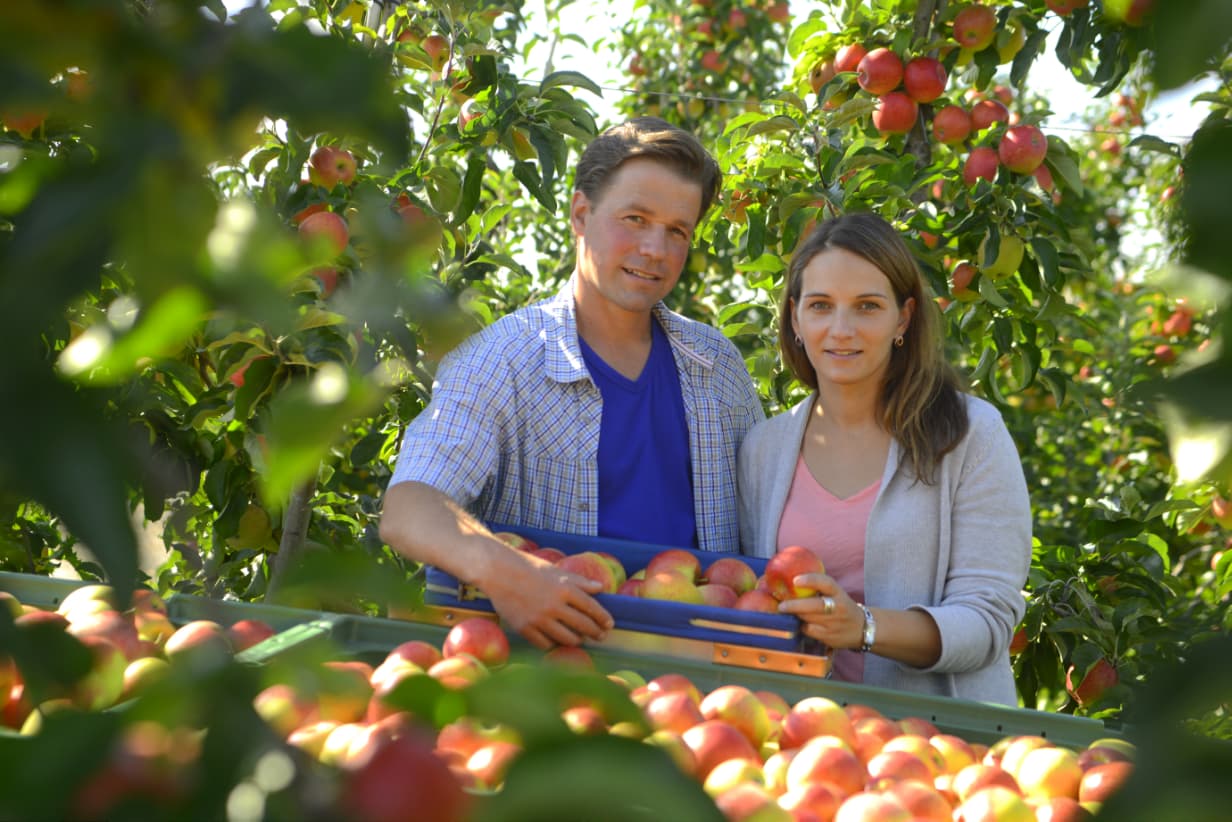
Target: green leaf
{"type": "Point", "coordinates": [1148, 142]}
{"type": "Point", "coordinates": [779, 122]}
{"type": "Point", "coordinates": [988, 290]}
{"type": "Point", "coordinates": [569, 78]}
{"type": "Point", "coordinates": [1063, 166]}
{"type": "Point", "coordinates": [525, 174]}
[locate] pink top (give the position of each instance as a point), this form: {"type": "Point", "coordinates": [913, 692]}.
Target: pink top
{"type": "Point", "coordinates": [834, 529]}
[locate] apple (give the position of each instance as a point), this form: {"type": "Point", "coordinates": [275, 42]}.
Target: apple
{"type": "Point", "coordinates": [467, 735]}
{"type": "Point", "coordinates": [979, 777]}
{"type": "Point", "coordinates": [310, 738]}
{"type": "Point", "coordinates": [584, 720]}
{"type": "Point", "coordinates": [1048, 772]}
{"type": "Point", "coordinates": [678, 560]}
{"type": "Point", "coordinates": [673, 744]}
{"type": "Point", "coordinates": [789, 563]}
{"type": "Point", "coordinates": [1164, 354]}
{"type": "Point", "coordinates": [872, 807]}
{"type": "Point", "coordinates": [827, 759]}
{"type": "Point", "coordinates": [246, 633]}
{"type": "Point", "coordinates": [848, 57]}
{"type": "Point", "coordinates": [631, 588]}
{"type": "Point", "coordinates": [24, 123]}
{"type": "Point", "coordinates": [811, 717]}
{"type": "Point", "coordinates": [733, 572]}
{"type": "Point", "coordinates": [552, 555]}
{"type": "Point", "coordinates": [922, 800]}
{"type": "Point", "coordinates": [749, 802]}
{"type": "Point", "coordinates": [987, 112]}
{"type": "Point", "coordinates": [775, 705]}
{"type": "Point", "coordinates": [951, 124]}
{"type": "Point", "coordinates": [961, 277]}
{"type": "Point", "coordinates": [402, 774]}
{"type": "Point", "coordinates": [672, 586]}
{"type": "Point", "coordinates": [740, 708]}
{"type": "Point", "coordinates": [201, 643]}
{"type": "Point", "coordinates": [732, 772]}
{"type": "Point", "coordinates": [344, 690]}
{"type": "Point", "coordinates": [981, 164]}
{"type": "Point", "coordinates": [879, 71]}
{"type": "Point", "coordinates": [713, 61]}
{"type": "Point", "coordinates": [674, 711]}
{"type": "Point", "coordinates": [994, 804]}
{"type": "Point", "coordinates": [956, 752]}
{"type": "Point", "coordinates": [423, 654]}
{"type": "Point", "coordinates": [111, 625]}
{"type": "Point", "coordinates": [1178, 324]}
{"type": "Point", "coordinates": [757, 600]}
{"type": "Point", "coordinates": [516, 541]}
{"type": "Point", "coordinates": [458, 671]}
{"type": "Point", "coordinates": [1097, 680]}
{"type": "Point", "coordinates": [590, 565]}
{"type": "Point", "coordinates": [481, 638]}
{"type": "Point", "coordinates": [330, 166]}
{"type": "Point", "coordinates": [1101, 781]}
{"type": "Point", "coordinates": [89, 598]}
{"type": "Point", "coordinates": [895, 113]}
{"type": "Point", "coordinates": [822, 73]}
{"type": "Point", "coordinates": [143, 599]}
{"type": "Point", "coordinates": [920, 746]}
{"type": "Point", "coordinates": [1009, 257]}
{"type": "Point", "coordinates": [283, 707]}
{"type": "Point", "coordinates": [141, 673]}
{"type": "Point", "coordinates": [1129, 12]}
{"type": "Point", "coordinates": [924, 79]}
{"type": "Point", "coordinates": [469, 112]}
{"type": "Point", "coordinates": [491, 762]}
{"type": "Point", "coordinates": [1060, 809]}
{"type": "Point", "coordinates": [918, 726]}
{"type": "Point", "coordinates": [1017, 749]}
{"type": "Point", "coordinates": [713, 741]}
{"type": "Point", "coordinates": [889, 766]}
{"type": "Point", "coordinates": [816, 798]}
{"type": "Point", "coordinates": [1022, 149]}
{"type": "Point", "coordinates": [1064, 8]}
{"type": "Point", "coordinates": [669, 682]}
{"type": "Point", "coordinates": [717, 596]}
{"type": "Point", "coordinates": [617, 567]}
{"type": "Point", "coordinates": [437, 49]}
{"type": "Point", "coordinates": [326, 229]}
{"type": "Point", "coordinates": [104, 682]}
{"type": "Point", "coordinates": [975, 27]}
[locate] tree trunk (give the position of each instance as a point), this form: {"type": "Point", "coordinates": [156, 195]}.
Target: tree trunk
{"type": "Point", "coordinates": [294, 533]}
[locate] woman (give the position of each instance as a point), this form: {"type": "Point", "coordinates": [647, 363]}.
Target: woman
{"type": "Point", "coordinates": [910, 490]}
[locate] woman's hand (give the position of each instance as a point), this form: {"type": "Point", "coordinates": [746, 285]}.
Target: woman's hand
{"type": "Point", "coordinates": [830, 616]}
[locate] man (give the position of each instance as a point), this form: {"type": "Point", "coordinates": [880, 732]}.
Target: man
{"type": "Point", "coordinates": [596, 412]}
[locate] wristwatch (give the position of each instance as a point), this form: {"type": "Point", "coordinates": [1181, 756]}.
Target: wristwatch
{"type": "Point", "coordinates": [870, 630]}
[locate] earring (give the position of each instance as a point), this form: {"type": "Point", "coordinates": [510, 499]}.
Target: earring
{"type": "Point", "coordinates": [799, 341]}
{"type": "Point", "coordinates": [898, 341]}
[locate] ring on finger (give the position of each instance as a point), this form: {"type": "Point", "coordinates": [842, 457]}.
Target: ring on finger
{"type": "Point", "coordinates": [827, 605]}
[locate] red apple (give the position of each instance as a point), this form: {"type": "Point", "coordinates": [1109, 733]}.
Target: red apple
{"type": "Point", "coordinates": [956, 753]}
{"type": "Point", "coordinates": [981, 164]}
{"type": "Point", "coordinates": [570, 656]}
{"type": "Point", "coordinates": [1097, 680]}
{"type": "Point", "coordinates": [1178, 324]}
{"type": "Point", "coordinates": [422, 654]}
{"type": "Point", "coordinates": [246, 633]}
{"type": "Point", "coordinates": [822, 73]}
{"type": "Point", "coordinates": [895, 113]}
{"type": "Point", "coordinates": [789, 563]}
{"type": "Point", "coordinates": [811, 717]}
{"type": "Point", "coordinates": [631, 588]}
{"type": "Point", "coordinates": [403, 776]}
{"type": "Point", "coordinates": [516, 541]}
{"type": "Point", "coordinates": [733, 572]}
{"type": "Point", "coordinates": [678, 560]}
{"type": "Point", "coordinates": [951, 124]}
{"type": "Point", "coordinates": [330, 166]}
{"type": "Point", "coordinates": [1064, 8]}
{"type": "Point", "coordinates": [994, 804]}
{"type": "Point", "coordinates": [924, 79]}
{"type": "Point", "coordinates": [329, 228]}
{"type": "Point", "coordinates": [975, 27]}
{"type": "Point", "coordinates": [672, 586]}
{"type": "Point", "coordinates": [481, 638]}
{"type": "Point", "coordinates": [713, 61]}
{"type": "Point", "coordinates": [978, 777]}
{"type": "Point", "coordinates": [848, 57]}
{"type": "Point", "coordinates": [110, 625]}
{"type": "Point", "coordinates": [986, 112]}
{"type": "Point", "coordinates": [925, 803]}
{"type": "Point", "coordinates": [458, 671]}
{"type": "Point", "coordinates": [674, 711]}
{"type": "Point", "coordinates": [1022, 149]}
{"type": "Point", "coordinates": [590, 565]}
{"type": "Point", "coordinates": [437, 49]}
{"type": "Point", "coordinates": [1048, 772]}
{"type": "Point", "coordinates": [200, 643]}
{"type": "Point", "coordinates": [1061, 809]}
{"type": "Point", "coordinates": [718, 596]}
{"type": "Point", "coordinates": [827, 759]}
{"type": "Point", "coordinates": [667, 683]}
{"type": "Point", "coordinates": [491, 762]}
{"type": "Point", "coordinates": [740, 708]}
{"type": "Point", "coordinates": [1102, 781]}
{"type": "Point", "coordinates": [816, 798]}
{"type": "Point", "coordinates": [552, 555]}
{"type": "Point", "coordinates": [714, 741]}
{"type": "Point", "coordinates": [757, 600]}
{"type": "Point", "coordinates": [890, 766]}
{"type": "Point", "coordinates": [880, 71]}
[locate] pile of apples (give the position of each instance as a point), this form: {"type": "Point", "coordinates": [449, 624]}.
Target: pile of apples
{"type": "Point", "coordinates": [677, 575]}
{"type": "Point", "coordinates": [756, 755]}
{"type": "Point", "coordinates": [131, 646]}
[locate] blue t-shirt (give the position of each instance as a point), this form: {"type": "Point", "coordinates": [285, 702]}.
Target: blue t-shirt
{"type": "Point", "coordinates": [645, 480]}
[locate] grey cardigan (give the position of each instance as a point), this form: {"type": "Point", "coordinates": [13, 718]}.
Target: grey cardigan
{"type": "Point", "coordinates": [959, 549]}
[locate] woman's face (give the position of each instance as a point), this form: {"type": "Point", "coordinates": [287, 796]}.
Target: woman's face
{"type": "Point", "coordinates": [847, 318]}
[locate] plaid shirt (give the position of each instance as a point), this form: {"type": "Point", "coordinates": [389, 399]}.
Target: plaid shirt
{"type": "Point", "coordinates": [512, 431]}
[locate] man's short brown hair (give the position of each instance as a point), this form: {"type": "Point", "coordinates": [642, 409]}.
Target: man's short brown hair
{"type": "Point", "coordinates": [655, 139]}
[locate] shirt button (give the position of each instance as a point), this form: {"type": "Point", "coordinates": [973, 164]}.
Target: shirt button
{"type": "Point", "coordinates": [583, 506]}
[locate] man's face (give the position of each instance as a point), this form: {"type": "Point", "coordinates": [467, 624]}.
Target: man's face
{"type": "Point", "coordinates": [634, 240]}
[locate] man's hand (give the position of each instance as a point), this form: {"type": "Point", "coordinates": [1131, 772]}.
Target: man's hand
{"type": "Point", "coordinates": [546, 605]}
